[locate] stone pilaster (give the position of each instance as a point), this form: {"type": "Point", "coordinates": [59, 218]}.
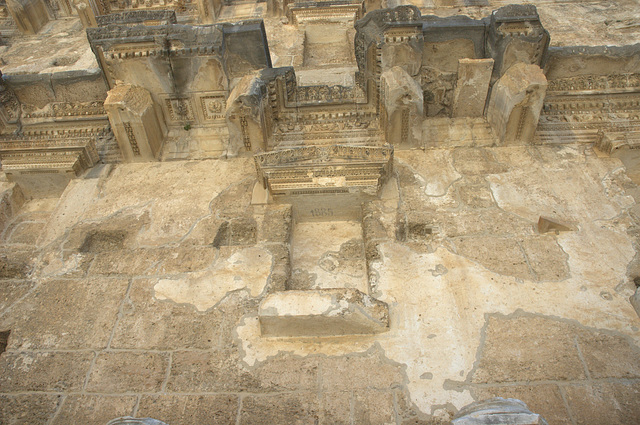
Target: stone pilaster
{"type": "Point", "coordinates": [472, 87]}
{"type": "Point", "coordinates": [29, 15]}
{"type": "Point", "coordinates": [136, 121]}
{"type": "Point", "coordinates": [515, 104]}
{"type": "Point", "coordinates": [402, 108]}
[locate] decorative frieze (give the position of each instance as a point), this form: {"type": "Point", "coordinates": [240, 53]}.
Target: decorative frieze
{"type": "Point", "coordinates": [47, 155]}
{"type": "Point", "coordinates": [324, 169]}
{"type": "Point", "coordinates": [180, 109]}
{"type": "Point", "coordinates": [65, 110]}
{"type": "Point", "coordinates": [213, 106]}
{"type": "Point", "coordinates": [596, 83]}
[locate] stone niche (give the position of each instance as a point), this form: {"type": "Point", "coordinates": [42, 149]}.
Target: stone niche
{"type": "Point", "coordinates": [325, 183]}
{"type": "Point", "coordinates": [327, 290]}
{"type": "Point", "coordinates": [435, 52]}
{"type": "Point", "coordinates": [304, 12]}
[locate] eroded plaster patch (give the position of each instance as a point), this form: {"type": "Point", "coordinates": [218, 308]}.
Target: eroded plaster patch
{"type": "Point", "coordinates": [248, 269]}
{"type": "Point", "coordinates": [436, 319]}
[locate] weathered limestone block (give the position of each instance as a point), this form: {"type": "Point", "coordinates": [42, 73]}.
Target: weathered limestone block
{"type": "Point", "coordinates": [245, 116]}
{"type": "Point", "coordinates": [29, 15]}
{"type": "Point", "coordinates": [515, 104]}
{"type": "Point", "coordinates": [322, 312]}
{"type": "Point", "coordinates": [403, 108]}
{"type": "Point", "coordinates": [85, 13]}
{"type": "Point", "coordinates": [497, 411]}
{"type": "Point", "coordinates": [470, 94]}
{"type": "Point", "coordinates": [137, 122]}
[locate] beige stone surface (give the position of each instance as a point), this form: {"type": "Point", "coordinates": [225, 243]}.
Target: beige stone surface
{"type": "Point", "coordinates": [334, 260]}
{"type": "Point", "coordinates": [472, 87]}
{"type": "Point", "coordinates": [515, 103]}
{"type": "Point", "coordinates": [189, 409]}
{"type": "Point", "coordinates": [440, 347]}
{"type": "Point", "coordinates": [127, 372]}
{"type": "Point", "coordinates": [246, 269]}
{"type": "Point", "coordinates": [90, 409]}
{"type": "Point", "coordinates": [62, 46]}
{"type": "Point", "coordinates": [322, 312]}
{"type": "Point", "coordinates": [140, 290]}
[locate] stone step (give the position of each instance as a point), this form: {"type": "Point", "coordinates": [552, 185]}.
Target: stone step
{"type": "Point", "coordinates": [322, 312]}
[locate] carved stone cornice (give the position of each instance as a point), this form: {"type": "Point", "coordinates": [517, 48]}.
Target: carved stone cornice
{"type": "Point", "coordinates": [595, 84]}
{"type": "Point", "coordinates": [66, 110]}
{"type": "Point", "coordinates": [47, 155]}
{"type": "Point", "coordinates": [324, 169]}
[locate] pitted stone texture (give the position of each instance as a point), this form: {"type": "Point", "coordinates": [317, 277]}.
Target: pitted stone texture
{"type": "Point", "coordinates": [93, 409]}
{"type": "Point", "coordinates": [189, 409]}
{"type": "Point", "coordinates": [123, 372]}
{"type": "Point", "coordinates": [609, 356]}
{"type": "Point", "coordinates": [604, 403]}
{"type": "Point", "coordinates": [43, 371]}
{"type": "Point", "coordinates": [151, 324]}
{"type": "Point", "coordinates": [12, 290]}
{"type": "Point", "coordinates": [528, 349]}
{"type": "Point", "coordinates": [297, 408]}
{"type": "Point", "coordinates": [547, 260]}
{"type": "Point", "coordinates": [25, 409]}
{"type": "Point", "coordinates": [220, 371]}
{"type": "Point", "coordinates": [501, 255]}
{"type": "Point", "coordinates": [63, 314]}
{"type": "Point", "coordinates": [370, 370]}
{"type": "Point", "coordinates": [277, 224]}
{"type": "Point", "coordinates": [534, 348]}
{"type": "Point", "coordinates": [373, 407]}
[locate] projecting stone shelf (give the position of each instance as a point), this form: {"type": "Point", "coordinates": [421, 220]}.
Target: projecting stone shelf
{"type": "Point", "coordinates": [323, 312]}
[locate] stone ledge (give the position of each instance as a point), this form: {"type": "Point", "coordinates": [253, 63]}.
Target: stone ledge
{"type": "Point", "coordinates": [324, 312]}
